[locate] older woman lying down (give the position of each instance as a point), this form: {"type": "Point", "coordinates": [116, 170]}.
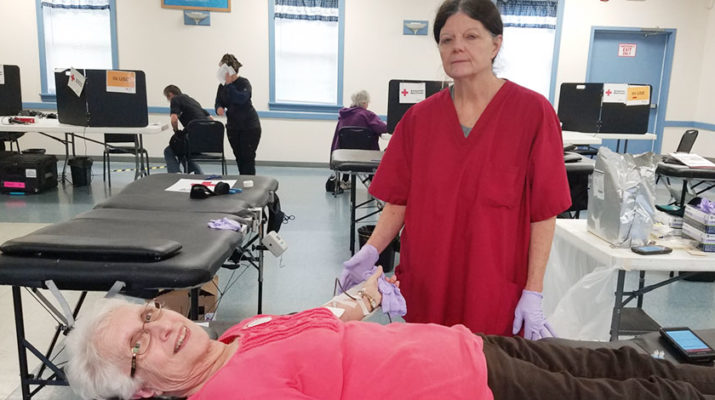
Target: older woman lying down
{"type": "Point", "coordinates": [132, 351]}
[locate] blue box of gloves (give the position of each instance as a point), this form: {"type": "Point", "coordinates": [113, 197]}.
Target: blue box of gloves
{"type": "Point", "coordinates": [699, 219]}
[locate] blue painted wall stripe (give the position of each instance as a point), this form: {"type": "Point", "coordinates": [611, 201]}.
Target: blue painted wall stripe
{"type": "Point", "coordinates": [690, 124]}
{"type": "Point", "coordinates": [263, 114]}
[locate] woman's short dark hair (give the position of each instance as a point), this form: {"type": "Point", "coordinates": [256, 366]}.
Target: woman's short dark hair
{"type": "Point", "coordinates": [173, 89]}
{"type": "Point", "coordinates": [483, 11]}
{"type": "Point", "coordinates": [231, 61]}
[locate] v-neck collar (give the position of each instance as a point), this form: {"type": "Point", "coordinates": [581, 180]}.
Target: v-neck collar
{"type": "Point", "coordinates": [455, 118]}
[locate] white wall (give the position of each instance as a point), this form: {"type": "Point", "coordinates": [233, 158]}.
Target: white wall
{"type": "Point", "coordinates": [156, 40]}
{"type": "Point", "coordinates": [705, 145]}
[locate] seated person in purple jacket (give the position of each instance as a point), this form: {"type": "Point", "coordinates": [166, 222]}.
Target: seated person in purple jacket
{"type": "Point", "coordinates": [358, 115]}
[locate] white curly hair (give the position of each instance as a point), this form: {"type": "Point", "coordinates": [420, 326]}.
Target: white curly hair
{"type": "Point", "coordinates": [360, 98]}
{"type": "Point", "coordinates": [90, 374]}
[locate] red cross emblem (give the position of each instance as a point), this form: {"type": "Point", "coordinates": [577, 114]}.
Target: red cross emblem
{"type": "Point", "coordinates": [608, 92]}
{"type": "Point", "coordinates": [404, 92]}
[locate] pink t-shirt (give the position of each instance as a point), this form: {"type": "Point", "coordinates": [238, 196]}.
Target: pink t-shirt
{"type": "Point", "coordinates": [313, 355]}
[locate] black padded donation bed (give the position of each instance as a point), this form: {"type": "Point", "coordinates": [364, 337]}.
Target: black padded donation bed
{"type": "Point", "coordinates": [149, 193]}
{"type": "Point", "coordinates": [137, 242]}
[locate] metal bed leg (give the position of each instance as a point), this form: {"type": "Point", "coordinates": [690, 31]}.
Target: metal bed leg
{"type": "Point", "coordinates": [683, 192]}
{"type": "Point", "coordinates": [353, 189]}
{"type": "Point", "coordinates": [617, 306]}
{"type": "Point", "coordinates": [194, 309]}
{"type": "Point", "coordinates": [67, 157]}
{"type": "Point", "coordinates": [21, 354]}
{"type": "Point", "coordinates": [260, 267]}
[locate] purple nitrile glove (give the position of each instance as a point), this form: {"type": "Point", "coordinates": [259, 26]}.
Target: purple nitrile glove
{"type": "Point", "coordinates": [225, 224]}
{"type": "Point", "coordinates": [707, 206]}
{"type": "Point", "coordinates": [529, 313]}
{"type": "Point", "coordinates": [392, 300]}
{"type": "Point", "coordinates": [357, 266]}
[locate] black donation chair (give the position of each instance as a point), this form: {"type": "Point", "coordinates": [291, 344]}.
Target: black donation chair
{"type": "Point", "coordinates": [205, 142]}
{"type": "Point", "coordinates": [354, 138]}
{"type": "Point", "coordinates": [686, 144]}
{"type": "Point", "coordinates": [687, 141]}
{"type": "Point", "coordinates": [124, 143]}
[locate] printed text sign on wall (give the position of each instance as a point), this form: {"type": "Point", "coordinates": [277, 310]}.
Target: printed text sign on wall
{"type": "Point", "coordinates": [626, 49]}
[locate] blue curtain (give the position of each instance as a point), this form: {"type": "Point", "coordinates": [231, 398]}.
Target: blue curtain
{"type": "Point", "coordinates": [528, 13]}
{"type": "Point", "coordinates": [309, 10]}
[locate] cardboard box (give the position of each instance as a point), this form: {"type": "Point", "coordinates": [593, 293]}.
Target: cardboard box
{"type": "Point", "coordinates": [178, 300]}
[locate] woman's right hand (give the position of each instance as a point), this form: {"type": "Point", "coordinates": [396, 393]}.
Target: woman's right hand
{"type": "Point", "coordinates": [220, 111]}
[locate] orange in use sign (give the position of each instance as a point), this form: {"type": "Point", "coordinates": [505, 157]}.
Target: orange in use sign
{"type": "Point", "coordinates": [638, 95]}
{"type": "Point", "coordinates": [121, 81]}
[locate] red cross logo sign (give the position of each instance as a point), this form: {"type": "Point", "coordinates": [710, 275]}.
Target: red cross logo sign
{"type": "Point", "coordinates": [608, 92]}
{"type": "Point", "coordinates": [404, 92]}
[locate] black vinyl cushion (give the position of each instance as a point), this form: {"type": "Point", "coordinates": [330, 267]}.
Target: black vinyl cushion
{"type": "Point", "coordinates": [149, 193]}
{"type": "Point", "coordinates": [203, 252]}
{"type": "Point", "coordinates": [92, 247]}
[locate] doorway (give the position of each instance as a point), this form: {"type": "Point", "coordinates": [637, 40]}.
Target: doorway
{"type": "Point", "coordinates": [649, 61]}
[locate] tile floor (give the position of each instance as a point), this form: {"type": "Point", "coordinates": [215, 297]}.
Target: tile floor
{"type": "Point", "coordinates": [303, 277]}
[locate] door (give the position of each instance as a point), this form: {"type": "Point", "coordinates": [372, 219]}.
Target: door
{"type": "Point", "coordinates": [648, 62]}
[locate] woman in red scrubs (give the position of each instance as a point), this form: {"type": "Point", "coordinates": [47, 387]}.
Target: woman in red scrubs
{"type": "Point", "coordinates": [475, 175]}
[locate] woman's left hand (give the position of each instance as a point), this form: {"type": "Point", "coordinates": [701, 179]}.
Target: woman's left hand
{"type": "Point", "coordinates": [370, 286]}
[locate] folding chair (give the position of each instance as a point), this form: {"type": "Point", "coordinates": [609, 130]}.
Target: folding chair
{"type": "Point", "coordinates": [205, 142]}
{"type": "Point", "coordinates": [124, 143]}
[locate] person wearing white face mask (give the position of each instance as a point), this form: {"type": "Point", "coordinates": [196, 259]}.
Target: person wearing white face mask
{"type": "Point", "coordinates": [243, 128]}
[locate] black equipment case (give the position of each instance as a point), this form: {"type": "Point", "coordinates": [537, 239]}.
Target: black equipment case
{"type": "Point", "coordinates": [28, 173]}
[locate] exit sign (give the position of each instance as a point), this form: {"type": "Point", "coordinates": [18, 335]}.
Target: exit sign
{"type": "Point", "coordinates": [626, 49]}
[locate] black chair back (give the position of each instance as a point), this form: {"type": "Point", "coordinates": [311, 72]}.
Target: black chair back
{"type": "Point", "coordinates": [687, 141]}
{"type": "Point", "coordinates": [204, 136]}
{"type": "Point", "coordinates": [356, 138]}
{"type": "Point", "coordinates": [121, 138]}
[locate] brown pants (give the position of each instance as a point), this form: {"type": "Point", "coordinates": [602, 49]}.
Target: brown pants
{"type": "Point", "coordinates": [520, 369]}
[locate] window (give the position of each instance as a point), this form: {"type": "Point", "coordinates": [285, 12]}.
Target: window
{"type": "Point", "coordinates": [306, 55]}
{"type": "Point", "coordinates": [527, 52]}
{"type": "Point", "coordinates": [75, 33]}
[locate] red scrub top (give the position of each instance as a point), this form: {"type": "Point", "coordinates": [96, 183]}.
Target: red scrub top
{"type": "Point", "coordinates": [470, 202]}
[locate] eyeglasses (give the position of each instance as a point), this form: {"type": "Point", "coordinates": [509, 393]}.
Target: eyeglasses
{"type": "Point", "coordinates": [142, 339]}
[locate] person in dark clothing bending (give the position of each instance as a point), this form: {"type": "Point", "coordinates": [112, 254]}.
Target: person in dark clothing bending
{"type": "Point", "coordinates": [243, 128]}
{"type": "Point", "coordinates": [183, 109]}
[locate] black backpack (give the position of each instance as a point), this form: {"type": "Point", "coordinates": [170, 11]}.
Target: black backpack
{"type": "Point", "coordinates": [275, 215]}
{"type": "Point", "coordinates": [330, 184]}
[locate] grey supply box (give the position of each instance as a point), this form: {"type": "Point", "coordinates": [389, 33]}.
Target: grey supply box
{"type": "Point", "coordinates": [621, 202]}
